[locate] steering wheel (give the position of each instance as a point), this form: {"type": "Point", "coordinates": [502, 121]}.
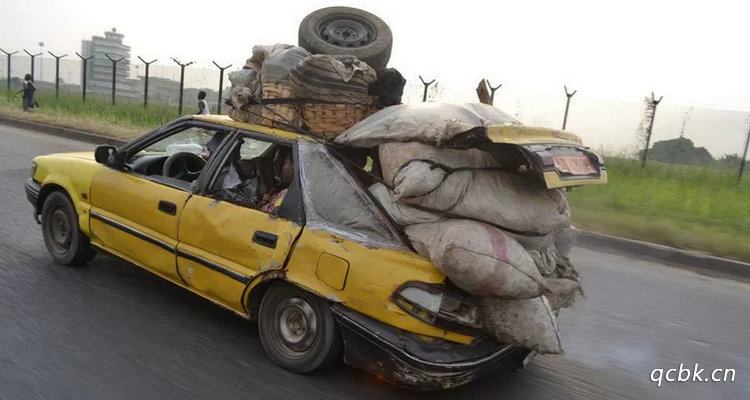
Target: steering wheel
{"type": "Point", "coordinates": [183, 165]}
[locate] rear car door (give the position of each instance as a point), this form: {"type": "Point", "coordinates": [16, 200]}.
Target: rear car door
{"type": "Point", "coordinates": [225, 239]}
{"type": "Point", "coordinates": [136, 207]}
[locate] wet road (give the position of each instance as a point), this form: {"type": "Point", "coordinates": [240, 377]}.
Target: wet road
{"type": "Point", "coordinates": [111, 330]}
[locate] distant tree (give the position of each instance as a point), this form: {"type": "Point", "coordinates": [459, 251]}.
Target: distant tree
{"type": "Point", "coordinates": [679, 151]}
{"type": "Point", "coordinates": [729, 161]}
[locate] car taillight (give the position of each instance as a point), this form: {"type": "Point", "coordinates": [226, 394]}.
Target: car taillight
{"type": "Point", "coordinates": [438, 305]}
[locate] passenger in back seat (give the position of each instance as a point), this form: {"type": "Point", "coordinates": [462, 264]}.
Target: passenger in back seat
{"type": "Point", "coordinates": [284, 172]}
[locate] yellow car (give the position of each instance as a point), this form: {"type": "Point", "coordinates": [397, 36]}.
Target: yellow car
{"type": "Point", "coordinates": [279, 228]}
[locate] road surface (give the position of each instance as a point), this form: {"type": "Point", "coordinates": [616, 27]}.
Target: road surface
{"type": "Point", "coordinates": [111, 330]}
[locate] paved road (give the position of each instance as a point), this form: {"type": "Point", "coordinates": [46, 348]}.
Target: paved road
{"type": "Point", "coordinates": [111, 330]}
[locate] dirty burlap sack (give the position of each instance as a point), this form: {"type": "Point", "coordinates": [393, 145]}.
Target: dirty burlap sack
{"type": "Point", "coordinates": [393, 155]}
{"type": "Point", "coordinates": [470, 183]}
{"type": "Point", "coordinates": [528, 323]}
{"type": "Point", "coordinates": [478, 258]}
{"type": "Point", "coordinates": [402, 214]}
{"type": "Point", "coordinates": [430, 123]}
{"type": "Point", "coordinates": [500, 198]}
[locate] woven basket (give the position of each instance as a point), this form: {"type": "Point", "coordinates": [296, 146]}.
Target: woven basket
{"type": "Point", "coordinates": [330, 120]}
{"type": "Point", "coordinates": [278, 115]}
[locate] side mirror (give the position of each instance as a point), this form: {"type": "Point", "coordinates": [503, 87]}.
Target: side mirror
{"type": "Point", "coordinates": [105, 154]}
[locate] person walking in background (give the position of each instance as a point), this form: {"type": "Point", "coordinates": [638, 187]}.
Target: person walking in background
{"type": "Point", "coordinates": [203, 108]}
{"type": "Point", "coordinates": [28, 93]}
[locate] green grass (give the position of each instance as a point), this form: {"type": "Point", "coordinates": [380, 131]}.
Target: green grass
{"type": "Point", "coordinates": [127, 118]}
{"type": "Point", "coordinates": [684, 206]}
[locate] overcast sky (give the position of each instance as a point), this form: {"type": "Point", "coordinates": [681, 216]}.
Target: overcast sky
{"type": "Point", "coordinates": [693, 53]}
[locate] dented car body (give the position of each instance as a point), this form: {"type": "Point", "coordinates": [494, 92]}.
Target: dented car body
{"type": "Point", "coordinates": [395, 314]}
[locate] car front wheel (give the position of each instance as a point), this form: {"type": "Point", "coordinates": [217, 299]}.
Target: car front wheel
{"type": "Point", "coordinates": [297, 329]}
{"type": "Point", "coordinates": [62, 236]}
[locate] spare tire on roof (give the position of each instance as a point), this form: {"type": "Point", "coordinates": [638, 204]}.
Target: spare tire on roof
{"type": "Point", "coordinates": [347, 31]}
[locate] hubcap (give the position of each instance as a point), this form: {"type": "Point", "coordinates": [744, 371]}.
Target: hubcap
{"type": "Point", "coordinates": [60, 231]}
{"type": "Point", "coordinates": [346, 32]}
{"type": "Point", "coordinates": [296, 326]}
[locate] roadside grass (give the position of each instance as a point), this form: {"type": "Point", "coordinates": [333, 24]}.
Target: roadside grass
{"type": "Point", "coordinates": [689, 207]}
{"type": "Point", "coordinates": [127, 119]}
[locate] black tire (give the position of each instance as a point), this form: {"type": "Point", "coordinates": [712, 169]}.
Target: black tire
{"type": "Point", "coordinates": [64, 240]}
{"type": "Point", "coordinates": [297, 329]}
{"type": "Point", "coordinates": [346, 30]}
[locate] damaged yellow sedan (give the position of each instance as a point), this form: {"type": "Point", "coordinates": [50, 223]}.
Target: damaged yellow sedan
{"type": "Point", "coordinates": [279, 228]}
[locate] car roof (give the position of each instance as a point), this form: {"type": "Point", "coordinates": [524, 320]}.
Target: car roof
{"type": "Point", "coordinates": [228, 122]}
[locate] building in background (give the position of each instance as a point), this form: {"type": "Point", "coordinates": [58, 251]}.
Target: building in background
{"type": "Point", "coordinates": [99, 74]}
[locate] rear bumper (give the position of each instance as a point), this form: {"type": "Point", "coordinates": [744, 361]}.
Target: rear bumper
{"type": "Point", "coordinates": [405, 360]}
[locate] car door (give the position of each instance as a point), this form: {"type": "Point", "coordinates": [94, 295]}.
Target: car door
{"type": "Point", "coordinates": [136, 207]}
{"type": "Point", "coordinates": [225, 240]}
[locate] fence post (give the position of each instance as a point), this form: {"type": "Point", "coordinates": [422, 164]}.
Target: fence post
{"type": "Point", "coordinates": [426, 85]}
{"type": "Point", "coordinates": [744, 156]}
{"type": "Point", "coordinates": [492, 92]}
{"type": "Point", "coordinates": [114, 75]}
{"type": "Point", "coordinates": [57, 72]}
{"type": "Point", "coordinates": [653, 103]}
{"type": "Point", "coordinates": [32, 62]}
{"type": "Point", "coordinates": [85, 70]}
{"type": "Point", "coordinates": [9, 54]}
{"type": "Point", "coordinates": [567, 106]}
{"type": "Point", "coordinates": [182, 81]}
{"type": "Point", "coordinates": [221, 84]}
{"type": "Point", "coordinates": [145, 83]}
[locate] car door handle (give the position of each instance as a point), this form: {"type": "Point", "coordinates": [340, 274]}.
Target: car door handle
{"type": "Point", "coordinates": [265, 239]}
{"type": "Point", "coordinates": [167, 207]}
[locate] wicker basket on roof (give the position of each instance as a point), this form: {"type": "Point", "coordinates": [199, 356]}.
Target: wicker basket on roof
{"type": "Point", "coordinates": [330, 120]}
{"type": "Point", "coordinates": [277, 115]}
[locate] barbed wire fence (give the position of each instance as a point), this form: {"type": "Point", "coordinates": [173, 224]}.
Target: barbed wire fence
{"type": "Point", "coordinates": [159, 82]}
{"type": "Point", "coordinates": [130, 78]}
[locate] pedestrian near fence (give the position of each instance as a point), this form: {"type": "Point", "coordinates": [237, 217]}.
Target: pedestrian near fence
{"type": "Point", "coordinates": [28, 90]}
{"type": "Point", "coordinates": [203, 108]}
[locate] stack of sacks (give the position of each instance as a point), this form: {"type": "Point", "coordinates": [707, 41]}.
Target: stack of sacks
{"type": "Point", "coordinates": [496, 234]}
{"type": "Point", "coordinates": [265, 75]}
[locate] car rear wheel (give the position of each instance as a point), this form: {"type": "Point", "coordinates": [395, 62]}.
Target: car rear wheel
{"type": "Point", "coordinates": [62, 236]}
{"type": "Point", "coordinates": [297, 329]}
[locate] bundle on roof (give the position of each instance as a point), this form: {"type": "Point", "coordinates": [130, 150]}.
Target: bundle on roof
{"type": "Point", "coordinates": [437, 124]}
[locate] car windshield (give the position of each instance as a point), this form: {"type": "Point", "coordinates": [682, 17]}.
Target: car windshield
{"type": "Point", "coordinates": [193, 139]}
{"type": "Point", "coordinates": [335, 202]}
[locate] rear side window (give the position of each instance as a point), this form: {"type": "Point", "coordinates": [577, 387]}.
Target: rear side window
{"type": "Point", "coordinates": [335, 202]}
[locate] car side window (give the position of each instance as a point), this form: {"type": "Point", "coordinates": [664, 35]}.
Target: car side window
{"type": "Point", "coordinates": [255, 174]}
{"type": "Point", "coordinates": [178, 158]}
{"type": "Point", "coordinates": [335, 202]}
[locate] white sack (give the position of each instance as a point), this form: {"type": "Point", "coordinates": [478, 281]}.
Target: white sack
{"type": "Point", "coordinates": [478, 258]}
{"type": "Point", "coordinates": [497, 197]}
{"type": "Point", "coordinates": [565, 239]}
{"type": "Point", "coordinates": [561, 292]}
{"type": "Point", "coordinates": [402, 214]}
{"type": "Point", "coordinates": [393, 155]}
{"type": "Point", "coordinates": [528, 323]}
{"type": "Point", "coordinates": [431, 123]}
